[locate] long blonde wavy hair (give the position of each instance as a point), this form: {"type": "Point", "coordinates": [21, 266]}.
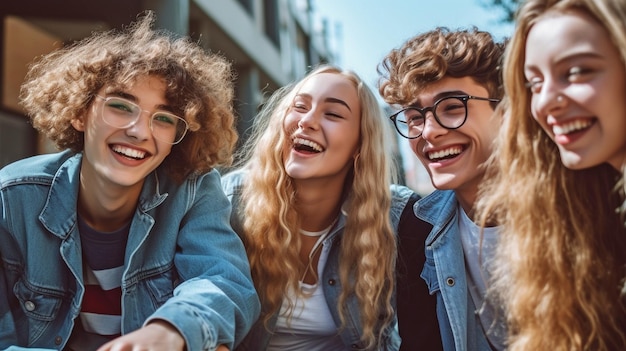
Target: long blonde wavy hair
{"type": "Point", "coordinates": [562, 254]}
{"type": "Point", "coordinates": [271, 223]}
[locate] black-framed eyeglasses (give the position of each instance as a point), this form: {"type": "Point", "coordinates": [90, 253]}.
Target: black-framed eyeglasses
{"type": "Point", "coordinates": [122, 113]}
{"type": "Point", "coordinates": [450, 112]}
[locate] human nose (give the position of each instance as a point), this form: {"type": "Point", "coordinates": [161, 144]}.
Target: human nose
{"type": "Point", "coordinates": [432, 128]}
{"type": "Point", "coordinates": [309, 120]}
{"type": "Point", "coordinates": [141, 128]}
{"type": "Point", "coordinates": [549, 99]}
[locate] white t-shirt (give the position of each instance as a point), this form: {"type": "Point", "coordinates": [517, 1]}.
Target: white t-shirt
{"type": "Point", "coordinates": [478, 260]}
{"type": "Point", "coordinates": [311, 326]}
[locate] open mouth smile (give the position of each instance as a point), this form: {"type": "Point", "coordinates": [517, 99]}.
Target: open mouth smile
{"type": "Point", "coordinates": [306, 146]}
{"type": "Point", "coordinates": [128, 152]}
{"type": "Point", "coordinates": [444, 154]}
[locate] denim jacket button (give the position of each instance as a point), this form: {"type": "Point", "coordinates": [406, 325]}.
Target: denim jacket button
{"type": "Point", "coordinates": [450, 281]}
{"type": "Point", "coordinates": [29, 305]}
{"type": "Point", "coordinates": [354, 346]}
{"type": "Point", "coordinates": [58, 340]}
{"type": "Point", "coordinates": [331, 281]}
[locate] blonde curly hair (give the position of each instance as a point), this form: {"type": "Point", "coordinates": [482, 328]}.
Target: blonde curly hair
{"type": "Point", "coordinates": [61, 86]}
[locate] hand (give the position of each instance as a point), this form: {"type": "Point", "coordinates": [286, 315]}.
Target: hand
{"type": "Point", "coordinates": [156, 336]}
{"type": "Point", "coordinates": [222, 348]}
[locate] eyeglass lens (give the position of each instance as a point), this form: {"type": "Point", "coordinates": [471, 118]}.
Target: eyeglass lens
{"type": "Point", "coordinates": [450, 113]}
{"type": "Point", "coordinates": [120, 113]}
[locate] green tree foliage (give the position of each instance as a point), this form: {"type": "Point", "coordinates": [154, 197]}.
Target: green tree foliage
{"type": "Point", "coordinates": [507, 7]}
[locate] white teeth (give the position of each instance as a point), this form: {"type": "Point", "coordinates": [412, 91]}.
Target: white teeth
{"type": "Point", "coordinates": [129, 152]}
{"type": "Point", "coordinates": [455, 150]}
{"type": "Point", "coordinates": [571, 126]}
{"type": "Point", "coordinates": [315, 146]}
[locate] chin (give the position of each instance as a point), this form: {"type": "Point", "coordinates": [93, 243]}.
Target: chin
{"type": "Point", "coordinates": [444, 184]}
{"type": "Point", "coordinates": [575, 162]}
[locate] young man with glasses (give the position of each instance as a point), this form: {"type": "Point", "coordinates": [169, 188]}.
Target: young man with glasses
{"type": "Point", "coordinates": [122, 241]}
{"type": "Point", "coordinates": [446, 85]}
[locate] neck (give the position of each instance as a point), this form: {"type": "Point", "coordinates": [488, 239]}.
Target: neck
{"type": "Point", "coordinates": [106, 209]}
{"type": "Point", "coordinates": [467, 199]}
{"type": "Point", "coordinates": [318, 206]}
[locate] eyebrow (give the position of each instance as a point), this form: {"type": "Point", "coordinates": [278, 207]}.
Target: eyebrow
{"type": "Point", "coordinates": [133, 98]}
{"type": "Point", "coordinates": [328, 99]}
{"type": "Point", "coordinates": [442, 95]}
{"type": "Point", "coordinates": [571, 57]}
{"type": "Point", "coordinates": [338, 101]}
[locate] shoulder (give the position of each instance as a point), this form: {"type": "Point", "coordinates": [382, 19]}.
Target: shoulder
{"type": "Point", "coordinates": [401, 195]}
{"type": "Point", "coordinates": [41, 167]}
{"type": "Point", "coordinates": [399, 192]}
{"type": "Point", "coordinates": [232, 182]}
{"type": "Point", "coordinates": [402, 199]}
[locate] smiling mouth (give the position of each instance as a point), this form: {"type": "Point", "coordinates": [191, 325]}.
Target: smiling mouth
{"type": "Point", "coordinates": [128, 152]}
{"type": "Point", "coordinates": [444, 154]}
{"type": "Point", "coordinates": [308, 146]}
{"type": "Point", "coordinates": [572, 126]}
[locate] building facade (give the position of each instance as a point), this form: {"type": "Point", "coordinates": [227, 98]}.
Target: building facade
{"type": "Point", "coordinates": [270, 43]}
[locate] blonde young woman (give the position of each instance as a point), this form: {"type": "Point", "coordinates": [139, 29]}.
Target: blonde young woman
{"type": "Point", "coordinates": [314, 207]}
{"type": "Point", "coordinates": [556, 185]}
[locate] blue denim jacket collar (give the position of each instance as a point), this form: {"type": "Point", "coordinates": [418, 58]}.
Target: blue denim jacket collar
{"type": "Point", "coordinates": [59, 213]}
{"type": "Point", "coordinates": [438, 209]}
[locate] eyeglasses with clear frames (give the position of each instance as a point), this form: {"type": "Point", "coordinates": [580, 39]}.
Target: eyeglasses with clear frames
{"type": "Point", "coordinates": [450, 112]}
{"type": "Point", "coordinates": [121, 113]}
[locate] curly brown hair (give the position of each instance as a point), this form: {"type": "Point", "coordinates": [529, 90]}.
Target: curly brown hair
{"type": "Point", "coordinates": [431, 56]}
{"type": "Point", "coordinates": [61, 86]}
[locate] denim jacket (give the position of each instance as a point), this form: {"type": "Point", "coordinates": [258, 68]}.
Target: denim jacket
{"type": "Point", "coordinates": [444, 273]}
{"type": "Point", "coordinates": [183, 262]}
{"type": "Point", "coordinates": [259, 337]}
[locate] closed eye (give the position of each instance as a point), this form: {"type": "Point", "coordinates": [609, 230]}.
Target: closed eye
{"type": "Point", "coordinates": [300, 107]}
{"type": "Point", "coordinates": [534, 86]}
{"type": "Point", "coordinates": [335, 115]}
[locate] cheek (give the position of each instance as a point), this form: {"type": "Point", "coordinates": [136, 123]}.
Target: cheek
{"type": "Point", "coordinates": [533, 109]}
{"type": "Point", "coordinates": [165, 149]}
{"type": "Point", "coordinates": [416, 143]}
{"type": "Point", "coordinates": [290, 123]}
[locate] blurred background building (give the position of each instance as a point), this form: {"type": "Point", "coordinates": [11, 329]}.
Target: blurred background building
{"type": "Point", "coordinates": [270, 42]}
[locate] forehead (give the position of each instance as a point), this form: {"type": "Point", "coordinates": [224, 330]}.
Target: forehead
{"type": "Point", "coordinates": [329, 85]}
{"type": "Point", "coordinates": [560, 34]}
{"type": "Point", "coordinates": [449, 86]}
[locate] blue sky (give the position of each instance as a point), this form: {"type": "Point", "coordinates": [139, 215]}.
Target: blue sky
{"type": "Point", "coordinates": [364, 31]}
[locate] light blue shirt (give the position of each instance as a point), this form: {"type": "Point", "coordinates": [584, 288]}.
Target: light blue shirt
{"type": "Point", "coordinates": [183, 263]}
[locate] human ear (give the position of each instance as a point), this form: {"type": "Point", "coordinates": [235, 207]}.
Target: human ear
{"type": "Point", "coordinates": [78, 124]}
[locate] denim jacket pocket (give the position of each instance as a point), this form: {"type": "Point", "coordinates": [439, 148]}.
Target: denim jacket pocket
{"type": "Point", "coordinates": [429, 273]}
{"type": "Point", "coordinates": [40, 307]}
{"type": "Point", "coordinates": [38, 304]}
{"type": "Point", "coordinates": [161, 286]}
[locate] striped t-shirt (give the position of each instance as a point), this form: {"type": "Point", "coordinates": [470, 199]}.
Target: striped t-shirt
{"type": "Point", "coordinates": [103, 265]}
